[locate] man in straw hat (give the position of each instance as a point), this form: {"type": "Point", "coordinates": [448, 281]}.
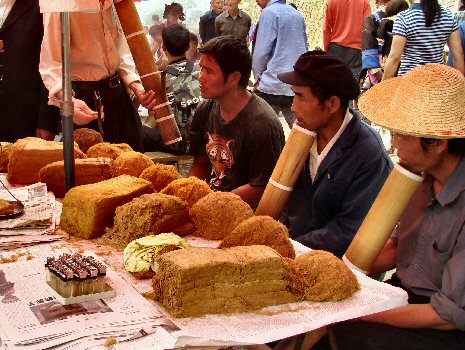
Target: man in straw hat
{"type": "Point", "coordinates": [426, 111]}
{"type": "Point", "coordinates": [347, 165]}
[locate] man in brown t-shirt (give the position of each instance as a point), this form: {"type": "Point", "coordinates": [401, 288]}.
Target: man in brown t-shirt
{"type": "Point", "coordinates": [236, 137]}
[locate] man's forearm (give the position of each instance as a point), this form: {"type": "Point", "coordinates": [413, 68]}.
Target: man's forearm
{"type": "Point", "coordinates": [250, 194]}
{"type": "Point", "coordinates": [200, 168]}
{"type": "Point", "coordinates": [411, 316]}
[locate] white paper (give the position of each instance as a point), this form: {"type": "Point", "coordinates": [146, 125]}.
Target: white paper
{"type": "Point", "coordinates": [39, 207]}
{"type": "Point", "coordinates": [39, 220]}
{"type": "Point", "coordinates": [269, 324]}
{"type": "Point", "coordinates": [89, 330]}
{"type": "Point", "coordinates": [30, 315]}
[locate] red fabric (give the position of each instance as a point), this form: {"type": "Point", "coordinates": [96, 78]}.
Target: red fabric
{"type": "Point", "coordinates": [344, 22]}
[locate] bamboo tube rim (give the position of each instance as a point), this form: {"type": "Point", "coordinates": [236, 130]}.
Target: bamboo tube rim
{"type": "Point", "coordinates": [173, 141]}
{"type": "Point", "coordinates": [352, 266]}
{"type": "Point", "coordinates": [303, 130]}
{"type": "Point", "coordinates": [149, 74]}
{"type": "Point", "coordinates": [409, 174]}
{"type": "Point", "coordinates": [135, 34]}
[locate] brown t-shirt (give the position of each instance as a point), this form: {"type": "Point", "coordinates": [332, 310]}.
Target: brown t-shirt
{"type": "Point", "coordinates": [242, 151]}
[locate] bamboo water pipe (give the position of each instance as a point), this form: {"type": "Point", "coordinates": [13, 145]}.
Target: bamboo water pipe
{"type": "Point", "coordinates": [286, 172]}
{"type": "Point", "coordinates": [382, 218]}
{"type": "Point", "coordinates": [147, 68]}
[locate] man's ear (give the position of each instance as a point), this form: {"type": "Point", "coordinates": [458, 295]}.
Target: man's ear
{"type": "Point", "coordinates": [333, 104]}
{"type": "Point", "coordinates": [234, 77]}
{"type": "Point", "coordinates": [441, 146]}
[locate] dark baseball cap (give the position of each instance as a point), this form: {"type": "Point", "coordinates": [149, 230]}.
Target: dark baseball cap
{"type": "Point", "coordinates": [326, 70]}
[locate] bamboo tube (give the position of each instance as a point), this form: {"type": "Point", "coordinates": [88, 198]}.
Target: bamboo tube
{"type": "Point", "coordinates": [378, 225]}
{"type": "Point", "coordinates": [286, 171]}
{"type": "Point", "coordinates": [380, 221]}
{"type": "Point", "coordinates": [147, 68]}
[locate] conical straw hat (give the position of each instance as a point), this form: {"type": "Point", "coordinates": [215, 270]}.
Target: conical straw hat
{"type": "Point", "coordinates": [428, 101]}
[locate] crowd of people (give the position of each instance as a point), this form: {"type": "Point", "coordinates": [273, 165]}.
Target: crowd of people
{"type": "Point", "coordinates": [228, 89]}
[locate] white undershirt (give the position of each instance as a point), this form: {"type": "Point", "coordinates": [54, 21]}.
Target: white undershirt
{"type": "Point", "coordinates": [315, 158]}
{"type": "Point", "coordinates": [5, 8]}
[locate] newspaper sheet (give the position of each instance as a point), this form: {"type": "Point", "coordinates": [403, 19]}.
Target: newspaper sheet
{"type": "Point", "coordinates": [31, 315]}
{"type": "Point", "coordinates": [260, 327]}
{"type": "Point", "coordinates": [39, 207]}
{"type": "Point", "coordinates": [37, 223]}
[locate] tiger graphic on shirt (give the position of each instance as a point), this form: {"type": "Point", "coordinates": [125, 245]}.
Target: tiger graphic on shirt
{"type": "Point", "coordinates": [221, 157]}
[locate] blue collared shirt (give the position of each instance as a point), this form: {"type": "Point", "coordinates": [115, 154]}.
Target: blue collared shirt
{"type": "Point", "coordinates": [207, 26]}
{"type": "Point", "coordinates": [281, 39]}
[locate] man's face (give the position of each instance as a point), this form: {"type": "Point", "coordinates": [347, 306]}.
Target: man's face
{"type": "Point", "coordinates": [212, 84]}
{"type": "Point", "coordinates": [217, 6]}
{"type": "Point", "coordinates": [262, 3]}
{"type": "Point", "coordinates": [232, 4]}
{"type": "Point", "coordinates": [412, 155]}
{"type": "Point", "coordinates": [310, 113]}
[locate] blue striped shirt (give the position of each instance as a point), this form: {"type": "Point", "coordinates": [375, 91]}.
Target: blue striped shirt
{"type": "Point", "coordinates": [424, 44]}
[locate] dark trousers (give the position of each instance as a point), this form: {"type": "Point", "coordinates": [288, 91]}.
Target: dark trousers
{"type": "Point", "coordinates": [373, 336]}
{"type": "Point", "coordinates": [351, 57]}
{"type": "Point", "coordinates": [153, 141]}
{"type": "Point", "coordinates": [122, 122]}
{"type": "Point", "coordinates": [280, 103]}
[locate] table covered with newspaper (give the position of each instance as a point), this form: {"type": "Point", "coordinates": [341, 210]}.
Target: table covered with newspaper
{"type": "Point", "coordinates": [33, 319]}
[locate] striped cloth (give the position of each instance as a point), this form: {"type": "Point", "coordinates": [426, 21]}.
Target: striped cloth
{"type": "Point", "coordinates": [424, 44]}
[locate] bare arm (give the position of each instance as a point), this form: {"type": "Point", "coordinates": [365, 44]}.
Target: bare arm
{"type": "Point", "coordinates": [201, 167]}
{"type": "Point", "coordinates": [327, 28]}
{"type": "Point", "coordinates": [250, 194]}
{"type": "Point", "coordinates": [455, 48]}
{"type": "Point", "coordinates": [386, 259]}
{"type": "Point", "coordinates": [411, 316]}
{"type": "Point", "coordinates": [393, 60]}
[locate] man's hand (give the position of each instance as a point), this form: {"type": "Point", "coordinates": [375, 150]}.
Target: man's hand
{"type": "Point", "coordinates": [145, 99]}
{"type": "Point", "coordinates": [82, 113]}
{"type": "Point", "coordinates": [45, 134]}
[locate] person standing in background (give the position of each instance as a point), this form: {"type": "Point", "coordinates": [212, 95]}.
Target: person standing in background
{"type": "Point", "coordinates": [157, 52]}
{"type": "Point", "coordinates": [342, 31]}
{"type": "Point", "coordinates": [280, 39]}
{"type": "Point", "coordinates": [182, 90]}
{"type": "Point", "coordinates": [192, 52]}
{"type": "Point", "coordinates": [419, 35]}
{"type": "Point", "coordinates": [371, 54]}
{"type": "Point", "coordinates": [233, 21]}
{"type": "Point", "coordinates": [23, 97]}
{"type": "Point", "coordinates": [207, 21]}
{"type": "Point", "coordinates": [174, 13]}
{"type": "Point", "coordinates": [102, 70]}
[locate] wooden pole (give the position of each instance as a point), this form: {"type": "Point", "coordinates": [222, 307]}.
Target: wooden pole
{"type": "Point", "coordinates": [147, 68]}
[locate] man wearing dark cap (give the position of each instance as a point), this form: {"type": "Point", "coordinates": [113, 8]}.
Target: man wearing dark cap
{"type": "Point", "coordinates": [347, 164]}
